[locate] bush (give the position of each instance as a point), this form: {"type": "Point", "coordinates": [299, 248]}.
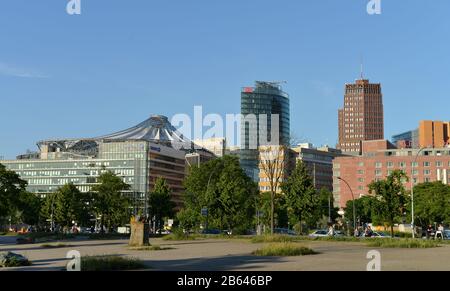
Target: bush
{"type": "Point", "coordinates": [401, 243]}
{"type": "Point", "coordinates": [178, 234]}
{"type": "Point", "coordinates": [272, 238]}
{"type": "Point", "coordinates": [9, 259]}
{"type": "Point", "coordinates": [284, 249]}
{"type": "Point", "coordinates": [110, 263]}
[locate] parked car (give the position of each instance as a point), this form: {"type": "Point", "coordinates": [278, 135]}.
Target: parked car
{"type": "Point", "coordinates": [447, 234]}
{"type": "Point", "coordinates": [319, 233]}
{"type": "Point", "coordinates": [211, 231]}
{"type": "Point", "coordinates": [377, 234]}
{"type": "Point", "coordinates": [284, 231]}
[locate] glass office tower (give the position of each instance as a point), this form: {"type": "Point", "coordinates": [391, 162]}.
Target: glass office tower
{"type": "Point", "coordinates": [263, 100]}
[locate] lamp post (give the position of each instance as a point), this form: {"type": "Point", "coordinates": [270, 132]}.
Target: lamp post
{"type": "Point", "coordinates": [353, 202]}
{"type": "Point", "coordinates": [206, 207]}
{"type": "Point", "coordinates": [412, 191]}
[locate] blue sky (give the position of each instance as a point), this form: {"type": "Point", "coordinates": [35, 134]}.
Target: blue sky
{"type": "Point", "coordinates": [120, 61]}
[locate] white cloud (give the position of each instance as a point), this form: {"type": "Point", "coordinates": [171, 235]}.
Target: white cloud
{"type": "Point", "coordinates": [20, 72]}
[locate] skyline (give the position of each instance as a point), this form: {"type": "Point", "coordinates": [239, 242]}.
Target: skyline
{"type": "Point", "coordinates": [61, 74]}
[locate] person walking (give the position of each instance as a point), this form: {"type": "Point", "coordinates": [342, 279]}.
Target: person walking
{"type": "Point", "coordinates": [440, 232]}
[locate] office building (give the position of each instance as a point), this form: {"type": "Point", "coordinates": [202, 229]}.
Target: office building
{"type": "Point", "coordinates": [260, 106]}
{"type": "Point", "coordinates": [139, 155]}
{"type": "Point", "coordinates": [216, 145]}
{"type": "Point", "coordinates": [433, 134]}
{"type": "Point", "coordinates": [361, 118]}
{"type": "Point", "coordinates": [378, 160]}
{"type": "Point", "coordinates": [319, 162]}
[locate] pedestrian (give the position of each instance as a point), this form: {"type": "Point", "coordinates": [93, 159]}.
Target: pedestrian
{"type": "Point", "coordinates": [356, 232]}
{"type": "Point", "coordinates": [429, 231]}
{"type": "Point", "coordinates": [331, 230]}
{"type": "Point", "coordinates": [440, 232]}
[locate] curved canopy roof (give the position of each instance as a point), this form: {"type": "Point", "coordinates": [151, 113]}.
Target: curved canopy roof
{"type": "Point", "coordinates": [157, 129]}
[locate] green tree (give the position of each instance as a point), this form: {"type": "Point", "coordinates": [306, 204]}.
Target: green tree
{"type": "Point", "coordinates": [70, 205]}
{"type": "Point", "coordinates": [160, 202]}
{"type": "Point", "coordinates": [301, 196]}
{"type": "Point", "coordinates": [222, 186]}
{"type": "Point", "coordinates": [391, 194]}
{"type": "Point", "coordinates": [367, 210]}
{"type": "Point", "coordinates": [280, 216]}
{"type": "Point", "coordinates": [11, 186]}
{"type": "Point", "coordinates": [325, 208]}
{"type": "Point", "coordinates": [188, 219]}
{"type": "Point", "coordinates": [432, 203]}
{"type": "Point", "coordinates": [29, 206]}
{"type": "Point", "coordinates": [108, 201]}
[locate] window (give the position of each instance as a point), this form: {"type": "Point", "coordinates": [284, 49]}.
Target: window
{"type": "Point", "coordinates": [390, 164]}
{"type": "Point", "coordinates": [426, 172]}
{"type": "Point", "coordinates": [361, 172]}
{"type": "Point", "coordinates": [402, 164]}
{"type": "Point", "coordinates": [360, 180]}
{"type": "Point", "coordinates": [439, 164]}
{"type": "Point", "coordinates": [378, 165]}
{"type": "Point", "coordinates": [414, 164]}
{"type": "Point", "coordinates": [426, 164]}
{"type": "Point", "coordinates": [415, 172]}
{"type": "Point", "coordinates": [378, 173]}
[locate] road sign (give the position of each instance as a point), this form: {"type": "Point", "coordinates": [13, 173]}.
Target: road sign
{"type": "Point", "coordinates": [204, 211]}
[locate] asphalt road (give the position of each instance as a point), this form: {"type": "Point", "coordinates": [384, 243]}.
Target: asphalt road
{"type": "Point", "coordinates": [218, 255]}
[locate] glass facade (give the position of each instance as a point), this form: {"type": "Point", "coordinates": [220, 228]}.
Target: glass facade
{"type": "Point", "coordinates": [262, 101]}
{"type": "Point", "coordinates": [138, 163]}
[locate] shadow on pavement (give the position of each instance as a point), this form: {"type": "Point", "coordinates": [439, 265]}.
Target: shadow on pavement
{"type": "Point", "coordinates": [226, 263]}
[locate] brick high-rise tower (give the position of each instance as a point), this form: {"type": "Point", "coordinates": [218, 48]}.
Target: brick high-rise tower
{"type": "Point", "coordinates": [362, 116]}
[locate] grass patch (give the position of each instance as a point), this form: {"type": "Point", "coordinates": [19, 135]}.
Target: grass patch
{"type": "Point", "coordinates": [284, 249]}
{"type": "Point", "coordinates": [331, 238]}
{"type": "Point", "coordinates": [178, 236]}
{"type": "Point", "coordinates": [273, 238]}
{"type": "Point", "coordinates": [150, 248]}
{"type": "Point", "coordinates": [57, 245]}
{"type": "Point", "coordinates": [8, 233]}
{"type": "Point", "coordinates": [402, 243]}
{"type": "Point", "coordinates": [110, 263]}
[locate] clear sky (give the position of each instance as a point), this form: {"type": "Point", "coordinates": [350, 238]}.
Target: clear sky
{"type": "Point", "coordinates": [123, 60]}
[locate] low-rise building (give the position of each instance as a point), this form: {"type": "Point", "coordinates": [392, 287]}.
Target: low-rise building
{"type": "Point", "coordinates": [378, 160]}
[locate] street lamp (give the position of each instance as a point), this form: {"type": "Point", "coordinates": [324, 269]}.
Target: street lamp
{"type": "Point", "coordinates": [412, 191]}
{"type": "Point", "coordinates": [353, 202]}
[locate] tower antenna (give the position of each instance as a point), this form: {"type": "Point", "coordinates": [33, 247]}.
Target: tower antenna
{"type": "Point", "coordinates": [362, 68]}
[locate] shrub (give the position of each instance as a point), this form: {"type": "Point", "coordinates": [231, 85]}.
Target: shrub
{"type": "Point", "coordinates": [272, 238]}
{"type": "Point", "coordinates": [401, 243]}
{"type": "Point", "coordinates": [9, 259]}
{"type": "Point", "coordinates": [284, 249]}
{"type": "Point", "coordinates": [178, 234]}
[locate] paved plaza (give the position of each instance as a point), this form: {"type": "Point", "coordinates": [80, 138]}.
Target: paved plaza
{"type": "Point", "coordinates": [234, 255]}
